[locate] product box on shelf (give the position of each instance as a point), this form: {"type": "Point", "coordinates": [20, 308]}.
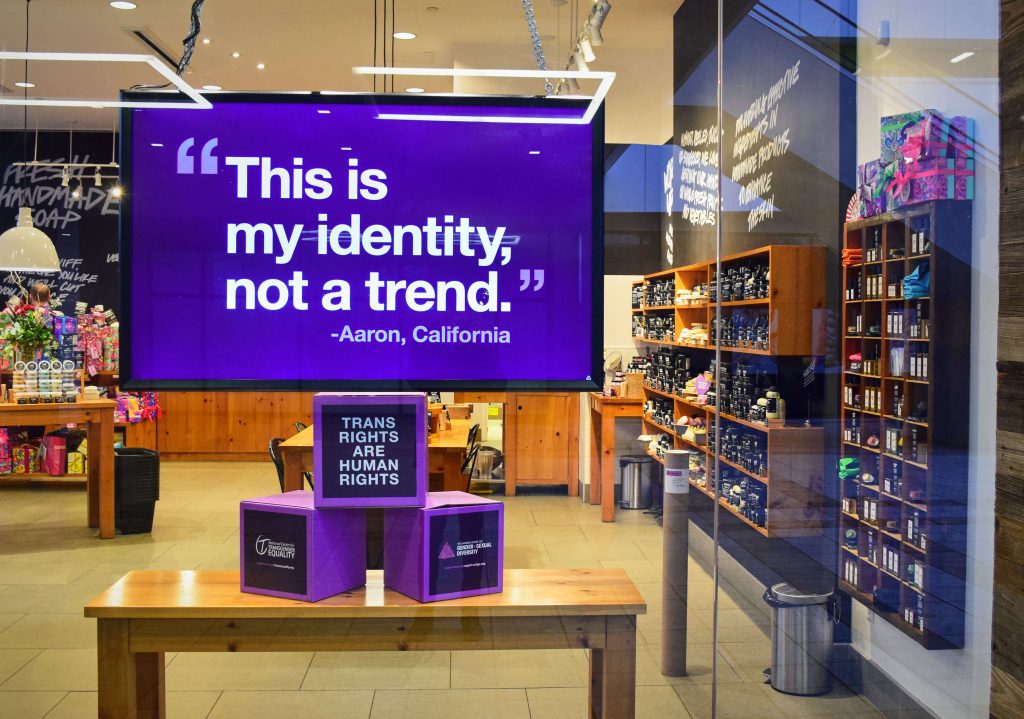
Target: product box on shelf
{"type": "Point", "coordinates": [452, 547]}
{"type": "Point", "coordinates": [870, 191]}
{"type": "Point", "coordinates": [290, 549]}
{"type": "Point", "coordinates": [370, 450]}
{"type": "Point", "coordinates": [53, 455]}
{"type": "Point", "coordinates": [932, 179]}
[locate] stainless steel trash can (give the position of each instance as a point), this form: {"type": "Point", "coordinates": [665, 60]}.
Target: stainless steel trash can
{"type": "Point", "coordinates": [636, 482]}
{"type": "Point", "coordinates": [801, 641]}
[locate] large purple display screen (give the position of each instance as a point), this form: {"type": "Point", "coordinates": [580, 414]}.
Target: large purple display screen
{"type": "Point", "coordinates": [276, 243]}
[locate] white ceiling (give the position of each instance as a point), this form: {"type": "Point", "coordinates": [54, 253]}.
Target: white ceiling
{"type": "Point", "coordinates": [313, 44]}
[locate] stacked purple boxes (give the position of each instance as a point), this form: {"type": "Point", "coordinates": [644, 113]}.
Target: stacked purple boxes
{"type": "Point", "coordinates": [451, 547]}
{"type": "Point", "coordinates": [291, 549]}
{"type": "Point", "coordinates": [370, 450]}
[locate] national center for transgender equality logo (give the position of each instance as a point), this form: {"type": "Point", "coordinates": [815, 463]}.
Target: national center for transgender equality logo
{"type": "Point", "coordinates": [446, 552]}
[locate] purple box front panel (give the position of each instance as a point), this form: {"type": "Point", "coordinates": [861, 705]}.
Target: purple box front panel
{"type": "Point", "coordinates": [370, 450]}
{"type": "Point", "coordinates": [445, 553]}
{"type": "Point", "coordinates": [288, 549]}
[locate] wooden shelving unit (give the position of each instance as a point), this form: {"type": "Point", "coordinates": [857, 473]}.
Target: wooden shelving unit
{"type": "Point", "coordinates": [927, 489]}
{"type": "Point", "coordinates": [795, 323]}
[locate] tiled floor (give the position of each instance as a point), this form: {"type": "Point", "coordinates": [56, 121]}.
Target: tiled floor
{"type": "Point", "coordinates": [50, 565]}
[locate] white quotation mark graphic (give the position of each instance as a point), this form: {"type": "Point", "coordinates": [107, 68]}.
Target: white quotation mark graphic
{"type": "Point", "coordinates": [526, 275]}
{"type": "Point", "coordinates": [207, 160]}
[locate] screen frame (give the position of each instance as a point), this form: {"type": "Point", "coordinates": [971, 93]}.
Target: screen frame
{"type": "Point", "coordinates": [130, 382]}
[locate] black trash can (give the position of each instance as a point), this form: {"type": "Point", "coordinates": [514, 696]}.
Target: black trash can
{"type": "Point", "coordinates": [136, 489]}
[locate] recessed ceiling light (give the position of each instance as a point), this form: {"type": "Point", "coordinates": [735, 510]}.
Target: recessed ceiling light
{"type": "Point", "coordinates": [123, 5]}
{"type": "Point", "coordinates": [213, 88]}
{"type": "Point", "coordinates": [156, 144]}
{"type": "Point", "coordinates": [432, 8]}
{"type": "Point", "coordinates": [260, 66]}
{"type": "Point", "coordinates": [962, 56]}
{"type": "Point", "coordinates": [534, 152]}
{"type": "Point", "coordinates": [24, 84]}
{"type": "Point", "coordinates": [324, 112]}
{"type": "Point", "coordinates": [403, 35]}
{"type": "Point", "coordinates": [414, 89]}
{"type": "Point", "coordinates": [346, 149]}
{"type": "Point", "coordinates": [236, 54]}
{"type": "Point", "coordinates": [206, 41]}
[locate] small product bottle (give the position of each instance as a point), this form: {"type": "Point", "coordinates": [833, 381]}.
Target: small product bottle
{"type": "Point", "coordinates": [776, 408]}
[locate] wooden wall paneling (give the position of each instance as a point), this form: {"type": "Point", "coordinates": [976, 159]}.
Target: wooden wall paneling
{"type": "Point", "coordinates": [228, 425]}
{"type": "Point", "coordinates": [1008, 610]}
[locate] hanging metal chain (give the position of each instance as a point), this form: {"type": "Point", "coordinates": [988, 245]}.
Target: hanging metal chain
{"type": "Point", "coordinates": [538, 48]}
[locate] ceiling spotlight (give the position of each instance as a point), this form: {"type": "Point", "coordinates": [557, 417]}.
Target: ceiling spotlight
{"type": "Point", "coordinates": [346, 149]}
{"type": "Point", "coordinates": [959, 58]}
{"type": "Point", "coordinates": [212, 88]}
{"type": "Point", "coordinates": [596, 20]}
{"type": "Point", "coordinates": [236, 54]}
{"type": "Point", "coordinates": [32, 84]}
{"type": "Point", "coordinates": [579, 60]}
{"type": "Point", "coordinates": [123, 5]}
{"type": "Point", "coordinates": [414, 89]}
{"type": "Point", "coordinates": [588, 50]}
{"type": "Point", "coordinates": [432, 8]}
{"type": "Point", "coordinates": [116, 191]}
{"type": "Point", "coordinates": [156, 144]}
{"type": "Point", "coordinates": [260, 66]}
{"type": "Point", "coordinates": [534, 152]}
{"type": "Point", "coordinates": [97, 179]}
{"type": "Point", "coordinates": [404, 35]}
{"type": "Point", "coordinates": [206, 41]}
{"type": "Point", "coordinates": [570, 82]}
{"type": "Point", "coordinates": [65, 177]}
{"type": "Point", "coordinates": [77, 192]}
{"type": "Point", "coordinates": [323, 112]}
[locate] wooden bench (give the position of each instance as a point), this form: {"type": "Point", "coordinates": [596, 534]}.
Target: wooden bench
{"type": "Point", "coordinates": [147, 613]}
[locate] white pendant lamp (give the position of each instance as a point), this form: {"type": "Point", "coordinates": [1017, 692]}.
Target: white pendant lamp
{"type": "Point", "coordinates": [23, 248]}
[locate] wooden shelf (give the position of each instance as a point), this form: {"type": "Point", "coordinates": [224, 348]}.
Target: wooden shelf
{"type": "Point", "coordinates": [945, 394]}
{"type": "Point", "coordinates": [746, 303]}
{"type": "Point", "coordinates": [658, 308]}
{"type": "Point", "coordinates": [741, 468]}
{"type": "Point", "coordinates": [796, 296]}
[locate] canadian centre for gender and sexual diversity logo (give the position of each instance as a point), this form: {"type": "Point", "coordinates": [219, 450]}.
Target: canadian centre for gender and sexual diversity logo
{"type": "Point", "coordinates": [446, 552]}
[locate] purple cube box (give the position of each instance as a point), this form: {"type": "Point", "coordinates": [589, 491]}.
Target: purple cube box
{"type": "Point", "coordinates": [290, 549]}
{"type": "Point", "coordinates": [452, 547]}
{"type": "Point", "coordinates": [370, 450]}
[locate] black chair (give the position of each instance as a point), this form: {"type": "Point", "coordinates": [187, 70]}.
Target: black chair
{"type": "Point", "coordinates": [472, 450]}
{"type": "Point", "coordinates": [469, 465]}
{"type": "Point", "coordinates": [472, 439]}
{"type": "Point", "coordinates": [275, 456]}
{"type": "Point", "coordinates": [308, 476]}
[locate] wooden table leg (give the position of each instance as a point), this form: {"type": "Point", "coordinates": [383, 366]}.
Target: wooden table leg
{"type": "Point", "coordinates": [608, 468]}
{"type": "Point", "coordinates": [453, 479]}
{"type": "Point", "coordinates": [130, 686]}
{"type": "Point", "coordinates": [595, 456]}
{"type": "Point", "coordinates": [292, 471]}
{"type": "Point", "coordinates": [613, 672]}
{"type": "Point", "coordinates": [100, 482]}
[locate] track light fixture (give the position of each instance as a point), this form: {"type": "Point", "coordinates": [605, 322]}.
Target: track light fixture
{"type": "Point", "coordinates": [97, 178]}
{"type": "Point", "coordinates": [579, 60]}
{"type": "Point", "coordinates": [595, 20]}
{"type": "Point", "coordinates": [77, 192]}
{"type": "Point", "coordinates": [586, 48]}
{"type": "Point", "coordinates": [65, 177]}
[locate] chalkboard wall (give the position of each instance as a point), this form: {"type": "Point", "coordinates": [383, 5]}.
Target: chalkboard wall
{"type": "Point", "coordinates": [83, 230]}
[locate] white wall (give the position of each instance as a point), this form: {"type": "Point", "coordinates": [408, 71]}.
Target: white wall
{"type": "Point", "coordinates": [617, 338]}
{"type": "Point", "coordinates": [953, 684]}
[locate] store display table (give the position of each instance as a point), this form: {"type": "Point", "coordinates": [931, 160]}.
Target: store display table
{"type": "Point", "coordinates": [147, 613]}
{"type": "Point", "coordinates": [98, 418]}
{"type": "Point", "coordinates": [445, 450]}
{"type": "Point", "coordinates": [603, 413]}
